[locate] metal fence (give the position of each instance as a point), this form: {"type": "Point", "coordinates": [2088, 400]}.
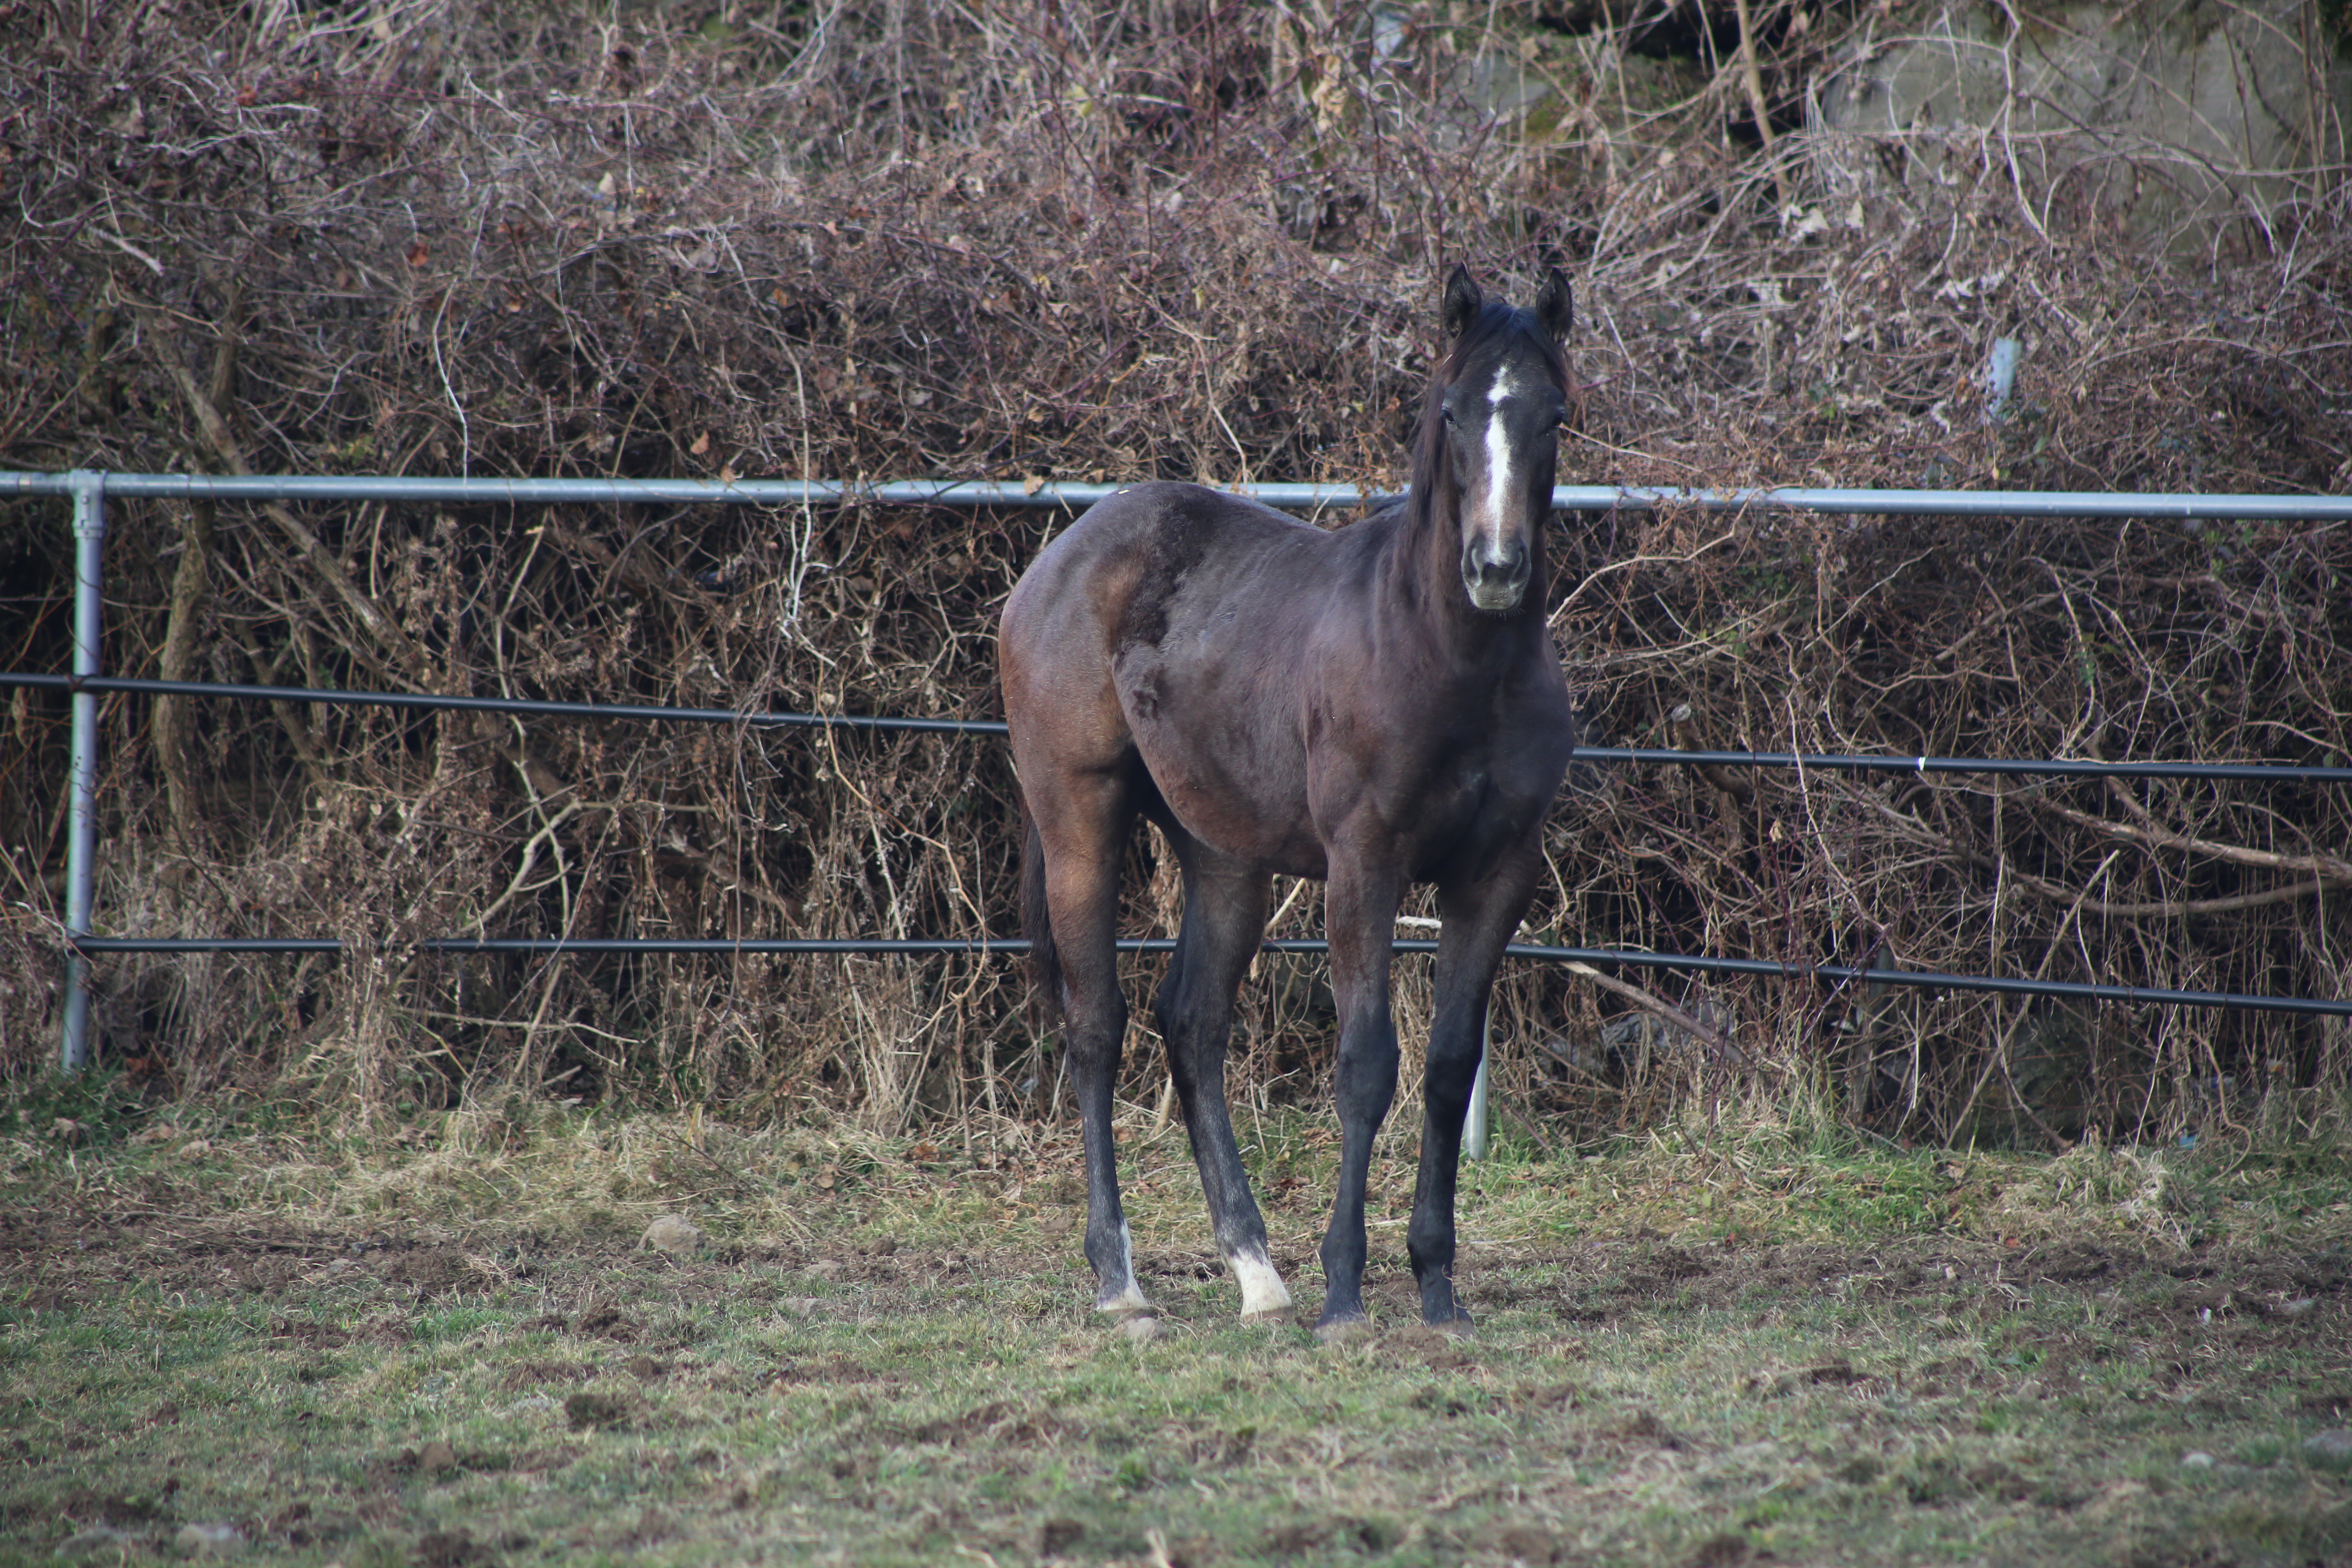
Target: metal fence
{"type": "Point", "coordinates": [89, 489]}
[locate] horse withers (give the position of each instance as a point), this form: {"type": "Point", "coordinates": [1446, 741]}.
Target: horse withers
{"type": "Point", "coordinates": [1374, 705]}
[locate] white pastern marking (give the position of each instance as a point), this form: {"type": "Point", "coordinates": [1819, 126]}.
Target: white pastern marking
{"type": "Point", "coordinates": [1132, 1299]}
{"type": "Point", "coordinates": [1263, 1295]}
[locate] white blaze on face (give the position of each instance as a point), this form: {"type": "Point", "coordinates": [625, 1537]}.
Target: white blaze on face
{"type": "Point", "coordinates": [1501, 464]}
{"type": "Point", "coordinates": [1263, 1295]}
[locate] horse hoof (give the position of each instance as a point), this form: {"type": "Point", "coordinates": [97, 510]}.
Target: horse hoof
{"type": "Point", "coordinates": [1344, 1332]}
{"type": "Point", "coordinates": [1143, 1328]}
{"type": "Point", "coordinates": [1268, 1315]}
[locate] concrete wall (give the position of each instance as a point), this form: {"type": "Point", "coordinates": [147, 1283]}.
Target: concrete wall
{"type": "Point", "coordinates": [2169, 117]}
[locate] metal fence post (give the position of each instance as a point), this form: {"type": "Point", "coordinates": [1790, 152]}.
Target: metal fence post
{"type": "Point", "coordinates": [82, 831]}
{"type": "Point", "coordinates": [1473, 1123]}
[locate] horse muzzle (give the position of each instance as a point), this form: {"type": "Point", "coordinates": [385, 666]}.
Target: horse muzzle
{"type": "Point", "coordinates": [1496, 578]}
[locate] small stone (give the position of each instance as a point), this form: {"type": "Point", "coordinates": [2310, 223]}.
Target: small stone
{"type": "Point", "coordinates": [209, 1539]}
{"type": "Point", "coordinates": [673, 1233]}
{"type": "Point", "coordinates": [1144, 1329]}
{"type": "Point", "coordinates": [2299, 1307]}
{"type": "Point", "coordinates": [2197, 1460]}
{"type": "Point", "coordinates": [2333, 1446]}
{"type": "Point", "coordinates": [825, 1268]}
{"type": "Point", "coordinates": [97, 1538]}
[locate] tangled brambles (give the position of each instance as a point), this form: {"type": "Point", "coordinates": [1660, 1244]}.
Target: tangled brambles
{"type": "Point", "coordinates": [1192, 243]}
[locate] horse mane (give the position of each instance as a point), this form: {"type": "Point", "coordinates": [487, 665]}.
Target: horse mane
{"type": "Point", "coordinates": [1494, 319]}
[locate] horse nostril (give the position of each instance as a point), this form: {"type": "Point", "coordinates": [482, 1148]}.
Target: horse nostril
{"type": "Point", "coordinates": [1494, 577]}
{"type": "Point", "coordinates": [1503, 565]}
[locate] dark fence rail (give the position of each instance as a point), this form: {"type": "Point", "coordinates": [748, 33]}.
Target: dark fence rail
{"type": "Point", "coordinates": [1613, 957]}
{"type": "Point", "coordinates": [1826, 762]}
{"type": "Point", "coordinates": [551, 947]}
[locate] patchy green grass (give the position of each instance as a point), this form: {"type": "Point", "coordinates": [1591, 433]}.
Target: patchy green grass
{"type": "Point", "coordinates": [229, 1337]}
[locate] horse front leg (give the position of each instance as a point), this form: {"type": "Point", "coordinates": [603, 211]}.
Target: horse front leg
{"type": "Point", "coordinates": [1359, 918]}
{"type": "Point", "coordinates": [1479, 919]}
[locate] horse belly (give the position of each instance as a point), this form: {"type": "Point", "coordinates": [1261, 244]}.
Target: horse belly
{"type": "Point", "coordinates": [1206, 648]}
{"type": "Point", "coordinates": [1239, 791]}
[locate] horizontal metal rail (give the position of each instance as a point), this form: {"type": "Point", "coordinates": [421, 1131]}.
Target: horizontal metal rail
{"type": "Point", "coordinates": [1077, 497]}
{"type": "Point", "coordinates": [1827, 761]}
{"type": "Point", "coordinates": [1835, 973]}
{"type": "Point", "coordinates": [88, 491]}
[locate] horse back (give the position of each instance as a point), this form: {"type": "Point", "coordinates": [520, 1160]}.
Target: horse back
{"type": "Point", "coordinates": [1172, 622]}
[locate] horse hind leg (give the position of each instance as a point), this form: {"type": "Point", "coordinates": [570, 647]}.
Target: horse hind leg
{"type": "Point", "coordinates": [1083, 828]}
{"type": "Point", "coordinates": [1224, 916]}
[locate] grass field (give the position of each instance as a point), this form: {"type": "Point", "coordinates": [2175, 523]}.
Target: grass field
{"type": "Point", "coordinates": [227, 1337]}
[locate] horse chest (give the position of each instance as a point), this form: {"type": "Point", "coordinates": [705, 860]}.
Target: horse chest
{"type": "Point", "coordinates": [1480, 792]}
{"type": "Point", "coordinates": [1463, 818]}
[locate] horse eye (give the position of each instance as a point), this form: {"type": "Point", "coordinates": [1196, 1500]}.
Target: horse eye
{"type": "Point", "coordinates": [1445, 412]}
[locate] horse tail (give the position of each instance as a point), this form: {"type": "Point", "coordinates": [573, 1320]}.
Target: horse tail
{"type": "Point", "coordinates": [1037, 925]}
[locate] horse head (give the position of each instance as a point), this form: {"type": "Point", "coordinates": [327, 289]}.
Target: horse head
{"type": "Point", "coordinates": [1493, 440]}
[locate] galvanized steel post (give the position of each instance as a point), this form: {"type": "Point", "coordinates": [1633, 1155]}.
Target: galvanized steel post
{"type": "Point", "coordinates": [1474, 1120]}
{"type": "Point", "coordinates": [89, 491]}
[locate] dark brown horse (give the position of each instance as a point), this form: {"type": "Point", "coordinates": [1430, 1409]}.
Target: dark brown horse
{"type": "Point", "coordinates": [1374, 705]}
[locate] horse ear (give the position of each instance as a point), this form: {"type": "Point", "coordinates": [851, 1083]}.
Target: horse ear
{"type": "Point", "coordinates": [1556, 307]}
{"type": "Point", "coordinates": [1462, 302]}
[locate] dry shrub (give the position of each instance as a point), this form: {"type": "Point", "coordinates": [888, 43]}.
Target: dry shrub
{"type": "Point", "coordinates": [1177, 239]}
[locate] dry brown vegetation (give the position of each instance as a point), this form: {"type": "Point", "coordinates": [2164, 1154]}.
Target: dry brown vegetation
{"type": "Point", "coordinates": [1164, 239]}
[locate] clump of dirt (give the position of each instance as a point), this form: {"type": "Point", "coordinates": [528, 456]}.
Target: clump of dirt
{"type": "Point", "coordinates": [458, 1549]}
{"type": "Point", "coordinates": [589, 1411]}
{"type": "Point", "coordinates": [837, 1370]}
